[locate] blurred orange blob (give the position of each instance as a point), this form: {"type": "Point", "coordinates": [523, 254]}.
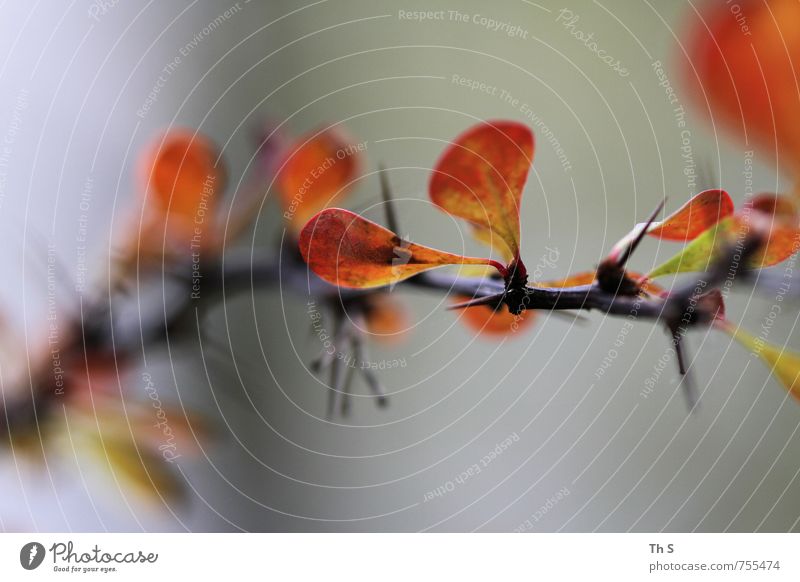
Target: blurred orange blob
{"type": "Point", "coordinates": [493, 322]}
{"type": "Point", "coordinates": [318, 169]}
{"type": "Point", "coordinates": [386, 318]}
{"type": "Point", "coordinates": [185, 180]}
{"type": "Point", "coordinates": [781, 207]}
{"type": "Point", "coordinates": [742, 67]}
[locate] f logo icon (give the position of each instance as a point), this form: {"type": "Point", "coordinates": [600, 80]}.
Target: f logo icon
{"type": "Point", "coordinates": [31, 555]}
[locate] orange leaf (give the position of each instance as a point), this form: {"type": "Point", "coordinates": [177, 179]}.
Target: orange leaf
{"type": "Point", "coordinates": [487, 320]}
{"type": "Point", "coordinates": [481, 175]}
{"type": "Point", "coordinates": [695, 217]}
{"type": "Point", "coordinates": [348, 250]}
{"type": "Point", "coordinates": [574, 280]}
{"type": "Point", "coordinates": [185, 178]}
{"type": "Point", "coordinates": [743, 68]}
{"type": "Point", "coordinates": [319, 169]}
{"type": "Point", "coordinates": [588, 277]}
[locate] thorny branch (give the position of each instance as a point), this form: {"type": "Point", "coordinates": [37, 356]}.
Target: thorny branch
{"type": "Point", "coordinates": [102, 331]}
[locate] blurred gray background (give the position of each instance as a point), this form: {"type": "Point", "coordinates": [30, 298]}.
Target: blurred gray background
{"type": "Point", "coordinates": [586, 453]}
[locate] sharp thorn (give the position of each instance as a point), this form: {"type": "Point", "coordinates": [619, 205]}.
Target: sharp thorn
{"type": "Point", "coordinates": [494, 300]}
{"type": "Point", "coordinates": [322, 361]}
{"type": "Point", "coordinates": [679, 353]}
{"type": "Point", "coordinates": [388, 201]}
{"type": "Point", "coordinates": [688, 384]}
{"type": "Point", "coordinates": [338, 379]}
{"type": "Point", "coordinates": [373, 383]}
{"type": "Point", "coordinates": [641, 234]}
{"type": "Point", "coordinates": [570, 316]}
{"type": "Point", "coordinates": [348, 382]}
{"type": "Point", "coordinates": [337, 376]}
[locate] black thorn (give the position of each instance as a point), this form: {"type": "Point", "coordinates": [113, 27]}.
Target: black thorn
{"type": "Point", "coordinates": [570, 316]}
{"type": "Point", "coordinates": [386, 193]}
{"type": "Point", "coordinates": [332, 394]}
{"type": "Point", "coordinates": [494, 300]}
{"type": "Point", "coordinates": [348, 382]}
{"type": "Point", "coordinates": [688, 385]}
{"type": "Point", "coordinates": [322, 361]}
{"type": "Point", "coordinates": [639, 237]}
{"type": "Point", "coordinates": [337, 376]}
{"type": "Point", "coordinates": [362, 357]}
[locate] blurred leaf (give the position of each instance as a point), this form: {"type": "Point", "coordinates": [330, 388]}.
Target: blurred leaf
{"type": "Point", "coordinates": [784, 364]}
{"type": "Point", "coordinates": [747, 79]}
{"type": "Point", "coordinates": [480, 178]}
{"type": "Point", "coordinates": [185, 179]}
{"type": "Point", "coordinates": [165, 427]}
{"type": "Point", "coordinates": [144, 470]}
{"type": "Point", "coordinates": [318, 170]}
{"type": "Point", "coordinates": [348, 250]}
{"type": "Point", "coordinates": [781, 242]}
{"type": "Point", "coordinates": [487, 320]}
{"type": "Point", "coordinates": [386, 317]}
{"type": "Point", "coordinates": [782, 207]}
{"type": "Point", "coordinates": [151, 423]}
{"type": "Point", "coordinates": [697, 255]}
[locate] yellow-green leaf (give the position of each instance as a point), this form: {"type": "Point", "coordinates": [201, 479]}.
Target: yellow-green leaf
{"type": "Point", "coordinates": [784, 364]}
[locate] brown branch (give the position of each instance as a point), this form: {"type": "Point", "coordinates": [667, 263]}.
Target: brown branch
{"type": "Point", "coordinates": [101, 331]}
